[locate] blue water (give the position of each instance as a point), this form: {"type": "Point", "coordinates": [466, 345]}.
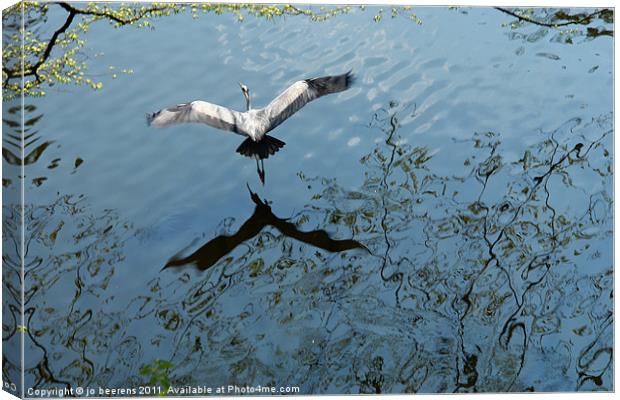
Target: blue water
{"type": "Point", "coordinates": [452, 159]}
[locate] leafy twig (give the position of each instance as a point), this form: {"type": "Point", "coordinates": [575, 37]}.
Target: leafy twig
{"type": "Point", "coordinates": [548, 24]}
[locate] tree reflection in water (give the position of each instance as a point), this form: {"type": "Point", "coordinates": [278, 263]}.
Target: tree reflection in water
{"type": "Point", "coordinates": [495, 278]}
{"type": "Point", "coordinates": [69, 261]}
{"type": "Point", "coordinates": [46, 272]}
{"type": "Point", "coordinates": [480, 284]}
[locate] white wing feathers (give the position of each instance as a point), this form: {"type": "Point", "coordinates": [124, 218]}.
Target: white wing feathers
{"type": "Point", "coordinates": [253, 123]}
{"type": "Point", "coordinates": [196, 112]}
{"type": "Point", "coordinates": [301, 93]}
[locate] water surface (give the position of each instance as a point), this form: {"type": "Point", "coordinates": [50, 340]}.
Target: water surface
{"type": "Point", "coordinates": [471, 161]}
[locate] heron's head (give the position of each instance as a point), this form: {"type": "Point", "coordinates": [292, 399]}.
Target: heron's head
{"type": "Point", "coordinates": [244, 89]}
{"type": "Point", "coordinates": [246, 94]}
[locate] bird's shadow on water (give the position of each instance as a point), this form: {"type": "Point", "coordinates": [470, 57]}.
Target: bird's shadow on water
{"type": "Point", "coordinates": [215, 249]}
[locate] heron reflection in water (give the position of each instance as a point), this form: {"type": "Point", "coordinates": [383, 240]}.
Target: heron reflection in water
{"type": "Point", "coordinates": [212, 251]}
{"type": "Point", "coordinates": [253, 123]}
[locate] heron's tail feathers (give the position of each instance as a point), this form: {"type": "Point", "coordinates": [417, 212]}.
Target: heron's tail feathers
{"type": "Point", "coordinates": [331, 84]}
{"type": "Point", "coordinates": [262, 149]}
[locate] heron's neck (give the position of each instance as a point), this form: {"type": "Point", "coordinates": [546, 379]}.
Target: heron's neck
{"type": "Point", "coordinates": [247, 102]}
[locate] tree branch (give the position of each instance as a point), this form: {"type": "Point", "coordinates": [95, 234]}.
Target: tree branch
{"type": "Point", "coordinates": [548, 24]}
{"type": "Point", "coordinates": [32, 70]}
{"type": "Point", "coordinates": [108, 15]}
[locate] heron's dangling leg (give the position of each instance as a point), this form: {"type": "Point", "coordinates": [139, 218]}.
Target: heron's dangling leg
{"type": "Point", "coordinates": [261, 171]}
{"type": "Point", "coordinates": [262, 167]}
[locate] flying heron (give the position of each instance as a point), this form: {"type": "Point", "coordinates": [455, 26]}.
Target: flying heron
{"type": "Point", "coordinates": [253, 123]}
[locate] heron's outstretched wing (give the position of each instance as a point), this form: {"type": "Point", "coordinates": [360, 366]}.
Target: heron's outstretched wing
{"type": "Point", "coordinates": [302, 92]}
{"type": "Point", "coordinates": [196, 112]}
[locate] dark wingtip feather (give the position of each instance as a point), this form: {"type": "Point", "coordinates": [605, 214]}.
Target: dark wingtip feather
{"type": "Point", "coordinates": [331, 84]}
{"type": "Point", "coordinates": [150, 117]}
{"type": "Point", "coordinates": [349, 79]}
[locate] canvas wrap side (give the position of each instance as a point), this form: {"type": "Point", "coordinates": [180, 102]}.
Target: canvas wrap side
{"type": "Point", "coordinates": [12, 165]}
